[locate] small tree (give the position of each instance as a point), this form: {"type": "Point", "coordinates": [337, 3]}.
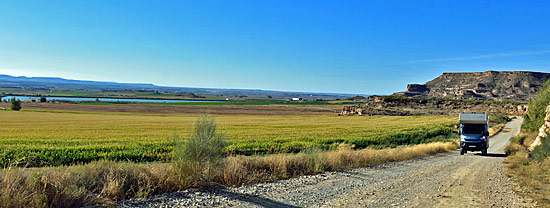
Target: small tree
{"type": "Point", "coordinates": [15, 104]}
{"type": "Point", "coordinates": [43, 99]}
{"type": "Point", "coordinates": [199, 158]}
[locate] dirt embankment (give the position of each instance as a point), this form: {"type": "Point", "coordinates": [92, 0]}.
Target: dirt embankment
{"type": "Point", "coordinates": [443, 180]}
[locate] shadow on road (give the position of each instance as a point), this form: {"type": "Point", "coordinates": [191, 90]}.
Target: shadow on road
{"type": "Point", "coordinates": [492, 155]}
{"type": "Point", "coordinates": [256, 200]}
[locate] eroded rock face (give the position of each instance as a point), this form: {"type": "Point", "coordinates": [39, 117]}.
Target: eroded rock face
{"type": "Point", "coordinates": [542, 131]}
{"type": "Point", "coordinates": [403, 106]}
{"type": "Point", "coordinates": [420, 88]}
{"type": "Point", "coordinates": [490, 85]}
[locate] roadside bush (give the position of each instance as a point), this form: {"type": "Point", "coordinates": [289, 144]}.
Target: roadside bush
{"type": "Point", "coordinates": [541, 152]}
{"type": "Point", "coordinates": [512, 148]}
{"type": "Point", "coordinates": [198, 159]}
{"type": "Point", "coordinates": [499, 118]}
{"type": "Point", "coordinates": [537, 108]}
{"type": "Point", "coordinates": [15, 104]}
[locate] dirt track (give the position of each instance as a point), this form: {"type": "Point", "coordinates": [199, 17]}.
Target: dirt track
{"type": "Point", "coordinates": [444, 180]}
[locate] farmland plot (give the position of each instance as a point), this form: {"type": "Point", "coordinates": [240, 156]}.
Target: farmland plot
{"type": "Point", "coordinates": [49, 138]}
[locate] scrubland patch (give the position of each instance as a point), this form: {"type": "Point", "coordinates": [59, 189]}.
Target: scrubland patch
{"type": "Point", "coordinates": [532, 172]}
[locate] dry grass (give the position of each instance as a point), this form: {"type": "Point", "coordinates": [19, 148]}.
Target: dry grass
{"type": "Point", "coordinates": [533, 175]}
{"type": "Point", "coordinates": [106, 182]}
{"type": "Point", "coordinates": [102, 182]}
{"type": "Point", "coordinates": [495, 129]}
{"type": "Point", "coordinates": [242, 170]}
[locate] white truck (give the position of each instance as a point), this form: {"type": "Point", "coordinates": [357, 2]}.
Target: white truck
{"type": "Point", "coordinates": [474, 132]}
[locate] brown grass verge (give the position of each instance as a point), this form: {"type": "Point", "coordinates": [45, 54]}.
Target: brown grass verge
{"type": "Point", "coordinates": [101, 182]}
{"type": "Point", "coordinates": [241, 170]}
{"type": "Point", "coordinates": [533, 176]}
{"type": "Point", "coordinates": [106, 182]}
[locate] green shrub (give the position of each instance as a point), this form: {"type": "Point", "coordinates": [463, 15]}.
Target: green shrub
{"type": "Point", "coordinates": [499, 117]}
{"type": "Point", "coordinates": [541, 152]}
{"type": "Point", "coordinates": [15, 104]}
{"type": "Point", "coordinates": [199, 158]}
{"type": "Point", "coordinates": [537, 108]}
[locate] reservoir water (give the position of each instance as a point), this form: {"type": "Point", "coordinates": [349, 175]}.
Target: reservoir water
{"type": "Point", "coordinates": [80, 99]}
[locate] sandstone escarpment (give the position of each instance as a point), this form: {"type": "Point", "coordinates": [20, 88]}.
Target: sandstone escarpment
{"type": "Point", "coordinates": [402, 106]}
{"type": "Point", "coordinates": [490, 85]}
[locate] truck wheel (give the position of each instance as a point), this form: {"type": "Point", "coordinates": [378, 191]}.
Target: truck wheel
{"type": "Point", "coordinates": [484, 151]}
{"type": "Point", "coordinates": [462, 151]}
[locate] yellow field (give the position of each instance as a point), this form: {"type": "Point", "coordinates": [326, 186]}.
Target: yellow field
{"type": "Point", "coordinates": [53, 138]}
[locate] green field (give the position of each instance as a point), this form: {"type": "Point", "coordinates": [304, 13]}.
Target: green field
{"type": "Point", "coordinates": [234, 103]}
{"type": "Point", "coordinates": [35, 139]}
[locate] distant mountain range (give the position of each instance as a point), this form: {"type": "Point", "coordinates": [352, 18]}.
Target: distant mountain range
{"type": "Point", "coordinates": [23, 84]}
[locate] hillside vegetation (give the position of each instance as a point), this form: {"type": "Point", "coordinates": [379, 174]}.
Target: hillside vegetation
{"type": "Point", "coordinates": [532, 169]}
{"type": "Point", "coordinates": [537, 109]}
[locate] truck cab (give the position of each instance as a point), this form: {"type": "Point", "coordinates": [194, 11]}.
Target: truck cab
{"type": "Point", "coordinates": [474, 132]}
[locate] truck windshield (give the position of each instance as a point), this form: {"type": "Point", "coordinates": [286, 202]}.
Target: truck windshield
{"type": "Point", "coordinates": [473, 129]}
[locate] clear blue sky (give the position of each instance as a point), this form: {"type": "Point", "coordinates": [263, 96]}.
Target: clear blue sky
{"type": "Point", "coordinates": [366, 47]}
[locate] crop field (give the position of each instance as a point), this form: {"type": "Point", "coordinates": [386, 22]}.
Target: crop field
{"type": "Point", "coordinates": [211, 108]}
{"type": "Point", "coordinates": [49, 138]}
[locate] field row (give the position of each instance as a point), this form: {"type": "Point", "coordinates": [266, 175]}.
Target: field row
{"type": "Point", "coordinates": [63, 138]}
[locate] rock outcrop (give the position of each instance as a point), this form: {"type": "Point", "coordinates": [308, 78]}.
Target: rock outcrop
{"type": "Point", "coordinates": [490, 85]}
{"type": "Point", "coordinates": [542, 131]}
{"type": "Point", "coordinates": [403, 106]}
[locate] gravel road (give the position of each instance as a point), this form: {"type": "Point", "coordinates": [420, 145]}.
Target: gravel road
{"type": "Point", "coordinates": [442, 180]}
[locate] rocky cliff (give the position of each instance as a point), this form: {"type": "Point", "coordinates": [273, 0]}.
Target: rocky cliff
{"type": "Point", "coordinates": [402, 106]}
{"type": "Point", "coordinates": [490, 85]}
